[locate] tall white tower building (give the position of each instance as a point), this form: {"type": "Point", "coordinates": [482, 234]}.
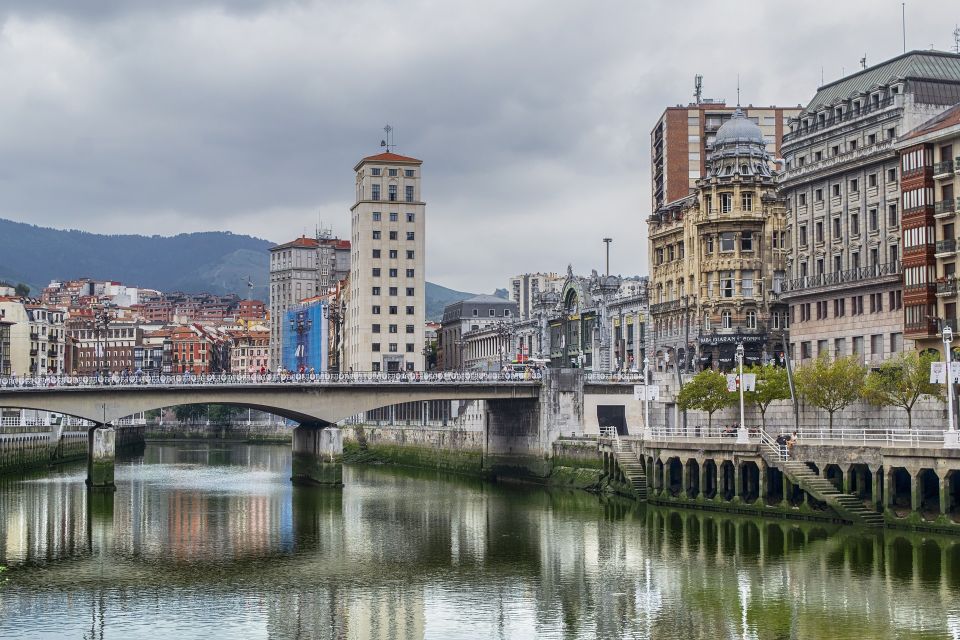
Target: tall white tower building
{"type": "Point", "coordinates": [385, 316]}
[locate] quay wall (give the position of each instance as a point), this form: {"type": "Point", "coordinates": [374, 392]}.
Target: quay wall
{"type": "Point", "coordinates": [20, 451]}
{"type": "Point", "coordinates": [241, 432]}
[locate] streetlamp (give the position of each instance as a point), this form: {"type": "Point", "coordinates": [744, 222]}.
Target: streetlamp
{"type": "Point", "coordinates": [101, 325]}
{"type": "Point", "coordinates": [950, 438]}
{"type": "Point", "coordinates": [646, 397]}
{"type": "Point", "coordinates": [503, 330]}
{"type": "Point", "coordinates": [742, 431]}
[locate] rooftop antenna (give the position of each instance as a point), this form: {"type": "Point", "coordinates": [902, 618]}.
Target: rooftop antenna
{"type": "Point", "coordinates": [863, 62]}
{"type": "Point", "coordinates": [697, 87]}
{"type": "Point", "coordinates": [903, 24]}
{"type": "Point", "coordinates": [387, 142]}
{"type": "Point", "coordinates": [738, 89]}
{"type": "Point", "coordinates": [956, 39]}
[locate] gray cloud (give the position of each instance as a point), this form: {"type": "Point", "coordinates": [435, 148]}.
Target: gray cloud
{"type": "Point", "coordinates": [532, 119]}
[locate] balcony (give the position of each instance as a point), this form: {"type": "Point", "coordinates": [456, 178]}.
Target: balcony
{"type": "Point", "coordinates": [944, 208]}
{"type": "Point", "coordinates": [34, 335]}
{"type": "Point", "coordinates": [944, 248]}
{"type": "Point", "coordinates": [664, 307]}
{"type": "Point", "coordinates": [858, 275]}
{"type": "Point", "coordinates": [947, 288]}
{"type": "Point", "coordinates": [943, 169]}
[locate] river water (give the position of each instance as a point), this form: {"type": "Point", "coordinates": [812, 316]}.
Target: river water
{"type": "Point", "coordinates": [211, 541]}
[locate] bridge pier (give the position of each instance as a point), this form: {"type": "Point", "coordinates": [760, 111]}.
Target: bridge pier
{"type": "Point", "coordinates": [101, 457]}
{"type": "Point", "coordinates": [317, 455]}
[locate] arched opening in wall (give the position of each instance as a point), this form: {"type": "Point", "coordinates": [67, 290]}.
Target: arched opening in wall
{"type": "Point", "coordinates": [861, 482]}
{"type": "Point", "coordinates": [929, 494]}
{"type": "Point", "coordinates": [674, 476]}
{"type": "Point", "coordinates": [709, 479]}
{"type": "Point", "coordinates": [773, 492]}
{"type": "Point", "coordinates": [727, 480]}
{"type": "Point", "coordinates": [900, 491]}
{"type": "Point", "coordinates": [835, 475]}
{"type": "Point", "coordinates": [658, 476]}
{"type": "Point", "coordinates": [953, 500]}
{"type": "Point", "coordinates": [813, 467]}
{"type": "Point", "coordinates": [929, 561]}
{"type": "Point", "coordinates": [749, 481]}
{"type": "Point", "coordinates": [693, 478]}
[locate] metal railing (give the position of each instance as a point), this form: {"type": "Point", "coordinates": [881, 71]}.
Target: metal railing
{"type": "Point", "coordinates": [945, 246]}
{"type": "Point", "coordinates": [610, 433]}
{"type": "Point", "coordinates": [231, 379]}
{"type": "Point", "coordinates": [779, 452]}
{"type": "Point", "coordinates": [903, 437]}
{"type": "Point", "coordinates": [944, 206]}
{"type": "Point", "coordinates": [850, 114]}
{"type": "Point", "coordinates": [624, 376]}
{"type": "Point", "coordinates": [841, 277]}
{"type": "Point", "coordinates": [943, 167]}
{"type": "Point", "coordinates": [698, 432]}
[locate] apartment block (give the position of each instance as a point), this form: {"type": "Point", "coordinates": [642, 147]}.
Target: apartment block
{"type": "Point", "coordinates": [841, 185]}
{"type": "Point", "coordinates": [526, 288]}
{"type": "Point", "coordinates": [384, 322]}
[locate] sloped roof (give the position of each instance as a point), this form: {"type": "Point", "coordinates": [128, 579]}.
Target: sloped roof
{"type": "Point", "coordinates": [485, 298]}
{"type": "Point", "coordinates": [388, 157]}
{"type": "Point", "coordinates": [927, 65]}
{"type": "Point", "coordinates": [949, 118]}
{"type": "Point", "coordinates": [302, 242]}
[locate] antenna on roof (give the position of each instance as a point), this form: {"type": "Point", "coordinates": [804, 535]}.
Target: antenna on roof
{"type": "Point", "coordinates": [903, 24]}
{"type": "Point", "coordinates": [863, 62]}
{"type": "Point", "coordinates": [738, 89]}
{"type": "Point", "coordinates": [697, 87]}
{"type": "Point", "coordinates": [387, 142]}
{"type": "Point", "coordinates": [956, 39]}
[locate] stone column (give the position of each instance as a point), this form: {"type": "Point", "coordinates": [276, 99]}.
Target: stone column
{"type": "Point", "coordinates": [737, 481]}
{"type": "Point", "coordinates": [891, 489]}
{"type": "Point", "coordinates": [684, 478]}
{"type": "Point", "coordinates": [101, 456]}
{"type": "Point", "coordinates": [317, 455]}
{"type": "Point", "coordinates": [846, 483]}
{"type": "Point", "coordinates": [944, 493]}
{"type": "Point", "coordinates": [762, 482]}
{"type": "Point", "coordinates": [703, 479]}
{"type": "Point", "coordinates": [914, 491]}
{"type": "Point", "coordinates": [876, 491]}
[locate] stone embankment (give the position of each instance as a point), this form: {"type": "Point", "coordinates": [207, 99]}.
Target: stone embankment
{"type": "Point", "coordinates": [237, 432]}
{"type": "Point", "coordinates": [40, 446]}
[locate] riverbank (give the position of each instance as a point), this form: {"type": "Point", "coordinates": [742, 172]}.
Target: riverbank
{"type": "Point", "coordinates": [24, 451]}
{"type": "Point", "coordinates": [239, 432]}
{"type": "Point", "coordinates": [574, 464]}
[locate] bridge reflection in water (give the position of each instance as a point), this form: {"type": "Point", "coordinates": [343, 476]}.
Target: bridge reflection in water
{"type": "Point", "coordinates": [210, 540]}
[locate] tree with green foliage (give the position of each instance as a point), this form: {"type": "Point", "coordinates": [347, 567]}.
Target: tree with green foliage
{"type": "Point", "coordinates": [222, 414]}
{"type": "Point", "coordinates": [772, 385]}
{"type": "Point", "coordinates": [901, 381]}
{"type": "Point", "coordinates": [22, 290]}
{"type": "Point", "coordinates": [706, 391]}
{"type": "Point", "coordinates": [190, 412]}
{"type": "Point", "coordinates": [831, 386]}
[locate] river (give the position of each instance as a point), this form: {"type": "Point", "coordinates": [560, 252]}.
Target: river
{"type": "Point", "coordinates": [210, 540]}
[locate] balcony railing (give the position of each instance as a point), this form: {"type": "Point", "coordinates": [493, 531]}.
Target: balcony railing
{"type": "Point", "coordinates": [664, 307]}
{"type": "Point", "coordinates": [946, 246]}
{"type": "Point", "coordinates": [841, 277]}
{"type": "Point", "coordinates": [947, 287]}
{"type": "Point", "coordinates": [945, 206]}
{"type": "Point", "coordinates": [944, 167]}
{"type": "Point", "coordinates": [829, 122]}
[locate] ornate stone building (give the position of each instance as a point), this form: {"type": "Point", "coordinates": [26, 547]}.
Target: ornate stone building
{"type": "Point", "coordinates": [719, 259]}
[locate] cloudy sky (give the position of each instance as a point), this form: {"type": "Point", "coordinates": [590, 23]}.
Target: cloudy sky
{"type": "Point", "coordinates": [532, 117]}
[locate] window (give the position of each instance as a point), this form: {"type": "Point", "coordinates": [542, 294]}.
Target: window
{"type": "Point", "coordinates": [408, 193]}
{"type": "Point", "coordinates": [872, 180]}
{"type": "Point", "coordinates": [747, 200]}
{"type": "Point", "coordinates": [408, 173]}
{"type": "Point", "coordinates": [874, 219]}
{"type": "Point", "coordinates": [375, 328]}
{"type": "Point", "coordinates": [393, 235]}
{"type": "Point", "coordinates": [746, 241]}
{"type": "Point", "coordinates": [854, 224]}
{"type": "Point", "coordinates": [726, 319]}
{"type": "Point", "coordinates": [376, 253]}
{"type": "Point", "coordinates": [492, 312]}
{"type": "Point", "coordinates": [836, 229]}
{"type": "Point", "coordinates": [476, 312]}
{"type": "Point", "coordinates": [872, 138]}
{"type": "Point", "coordinates": [839, 307]}
{"type": "Point", "coordinates": [409, 291]}
{"type": "Point", "coordinates": [393, 216]}
{"type": "Point", "coordinates": [376, 272]}
{"type": "Point", "coordinates": [392, 192]}
{"type": "Point", "coordinates": [726, 202]}
{"type": "Point", "coordinates": [392, 173]}
{"type": "Point", "coordinates": [892, 218]}
{"type": "Point", "coordinates": [836, 263]}
{"type": "Point", "coordinates": [376, 309]}
{"type": "Point", "coordinates": [856, 305]}
{"type": "Point", "coordinates": [376, 235]}
{"type": "Point", "coordinates": [896, 342]}
{"type": "Point", "coordinates": [411, 217]}
{"type": "Point", "coordinates": [409, 254]}
{"type": "Point", "coordinates": [876, 346]}
{"type": "Point", "coordinates": [393, 310]}
{"type": "Point", "coordinates": [803, 235]}
{"type": "Point", "coordinates": [393, 328]}
{"type": "Point", "coordinates": [891, 175]}
{"type": "Point", "coordinates": [706, 322]}
{"type": "Point", "coordinates": [726, 283]}
{"type": "Point", "coordinates": [410, 235]}
{"type": "Point", "coordinates": [393, 273]}
{"type": "Point", "coordinates": [375, 347]}
{"type": "Point", "coordinates": [852, 145]}
{"type": "Point", "coordinates": [376, 216]}
{"type": "Point", "coordinates": [375, 171]}
{"type": "Point", "coordinates": [375, 195]}
{"type": "Point", "coordinates": [393, 254]}
{"type": "Point", "coordinates": [709, 245]}
{"type": "Point", "coordinates": [896, 300]}
{"type": "Point", "coordinates": [891, 133]}
{"type": "Point", "coordinates": [805, 353]}
{"type": "Point", "coordinates": [818, 156]}
{"type": "Point", "coordinates": [410, 348]}
{"type": "Point", "coordinates": [746, 283]}
{"type": "Point", "coordinates": [726, 241]}
{"type": "Point", "coordinates": [670, 255]}
{"type": "Point", "coordinates": [836, 190]}
{"type": "Point", "coordinates": [854, 186]}
{"type": "Point", "coordinates": [409, 310]}
{"type": "Point", "coordinates": [376, 291]}
{"type": "Point", "coordinates": [802, 199]}
{"type": "Point", "coordinates": [818, 195]}
{"type": "Point", "coordinates": [835, 150]}
{"type": "Point", "coordinates": [894, 253]}
{"type": "Point", "coordinates": [409, 273]}
{"type": "Point", "coordinates": [393, 291]}
{"type": "Point", "coordinates": [818, 231]}
{"type": "Point", "coordinates": [393, 347]}
{"type": "Point", "coordinates": [409, 328]}
{"type": "Point", "coordinates": [375, 366]}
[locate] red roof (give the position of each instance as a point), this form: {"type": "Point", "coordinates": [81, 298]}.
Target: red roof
{"type": "Point", "coordinates": [389, 157]}
{"type": "Point", "coordinates": [301, 242]}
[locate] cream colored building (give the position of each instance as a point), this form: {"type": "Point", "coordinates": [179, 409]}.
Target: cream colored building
{"type": "Point", "coordinates": [36, 336]}
{"type": "Point", "coordinates": [385, 317]}
{"type": "Point", "coordinates": [526, 288]}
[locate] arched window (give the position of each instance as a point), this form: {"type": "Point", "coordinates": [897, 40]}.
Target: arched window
{"type": "Point", "coordinates": [751, 319]}
{"type": "Point", "coordinates": [726, 319]}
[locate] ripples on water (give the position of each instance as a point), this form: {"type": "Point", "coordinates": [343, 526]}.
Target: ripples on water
{"type": "Point", "coordinates": [212, 541]}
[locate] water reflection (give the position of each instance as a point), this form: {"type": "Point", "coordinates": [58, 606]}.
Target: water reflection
{"type": "Point", "coordinates": [212, 541]}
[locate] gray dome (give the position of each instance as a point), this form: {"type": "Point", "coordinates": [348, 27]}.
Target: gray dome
{"type": "Point", "coordinates": [739, 130]}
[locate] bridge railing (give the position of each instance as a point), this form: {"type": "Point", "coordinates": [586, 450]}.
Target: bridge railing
{"type": "Point", "coordinates": [875, 437]}
{"type": "Point", "coordinates": [698, 432]}
{"type": "Point", "coordinates": [187, 379]}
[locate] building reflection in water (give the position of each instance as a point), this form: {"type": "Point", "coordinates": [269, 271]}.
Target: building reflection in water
{"type": "Point", "coordinates": [217, 534]}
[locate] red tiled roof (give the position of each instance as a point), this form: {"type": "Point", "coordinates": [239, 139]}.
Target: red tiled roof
{"type": "Point", "coordinates": [301, 242]}
{"type": "Point", "coordinates": [389, 157]}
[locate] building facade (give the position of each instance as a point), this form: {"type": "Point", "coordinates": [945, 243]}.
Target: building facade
{"type": "Point", "coordinates": [526, 288]}
{"type": "Point", "coordinates": [306, 336]}
{"type": "Point", "coordinates": [684, 135]}
{"type": "Point", "coordinates": [929, 183]}
{"type": "Point", "coordinates": [36, 336]}
{"type": "Point", "coordinates": [383, 328]}
{"type": "Point", "coordinates": [842, 188]}
{"type": "Point", "coordinates": [464, 340]}
{"type": "Point", "coordinates": [249, 350]}
{"type": "Point", "coordinates": [719, 259]}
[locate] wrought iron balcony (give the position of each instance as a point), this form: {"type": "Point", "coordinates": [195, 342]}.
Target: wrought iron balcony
{"type": "Point", "coordinates": [947, 287]}
{"type": "Point", "coordinates": [945, 206]}
{"type": "Point", "coordinates": [859, 274]}
{"type": "Point", "coordinates": [946, 246]}
{"type": "Point", "coordinates": [664, 307]}
{"type": "Point", "coordinates": [943, 168]}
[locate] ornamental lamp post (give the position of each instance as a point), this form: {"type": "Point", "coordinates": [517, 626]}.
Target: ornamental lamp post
{"type": "Point", "coordinates": [742, 431]}
{"type": "Point", "coordinates": [646, 396]}
{"type": "Point", "coordinates": [950, 438]}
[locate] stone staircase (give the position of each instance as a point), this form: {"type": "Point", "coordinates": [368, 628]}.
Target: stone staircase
{"type": "Point", "coordinates": [799, 473]}
{"type": "Point", "coordinates": [630, 465]}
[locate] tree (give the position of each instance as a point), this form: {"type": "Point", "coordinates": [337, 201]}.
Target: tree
{"type": "Point", "coordinates": [901, 381]}
{"type": "Point", "coordinates": [189, 412]}
{"type": "Point", "coordinates": [706, 391]}
{"type": "Point", "coordinates": [22, 290]}
{"type": "Point", "coordinates": [222, 414]}
{"type": "Point", "coordinates": [772, 385]}
{"type": "Point", "coordinates": [831, 386]}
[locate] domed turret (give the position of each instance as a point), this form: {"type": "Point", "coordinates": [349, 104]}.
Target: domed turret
{"type": "Point", "coordinates": [739, 129]}
{"type": "Point", "coordinates": [739, 149]}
